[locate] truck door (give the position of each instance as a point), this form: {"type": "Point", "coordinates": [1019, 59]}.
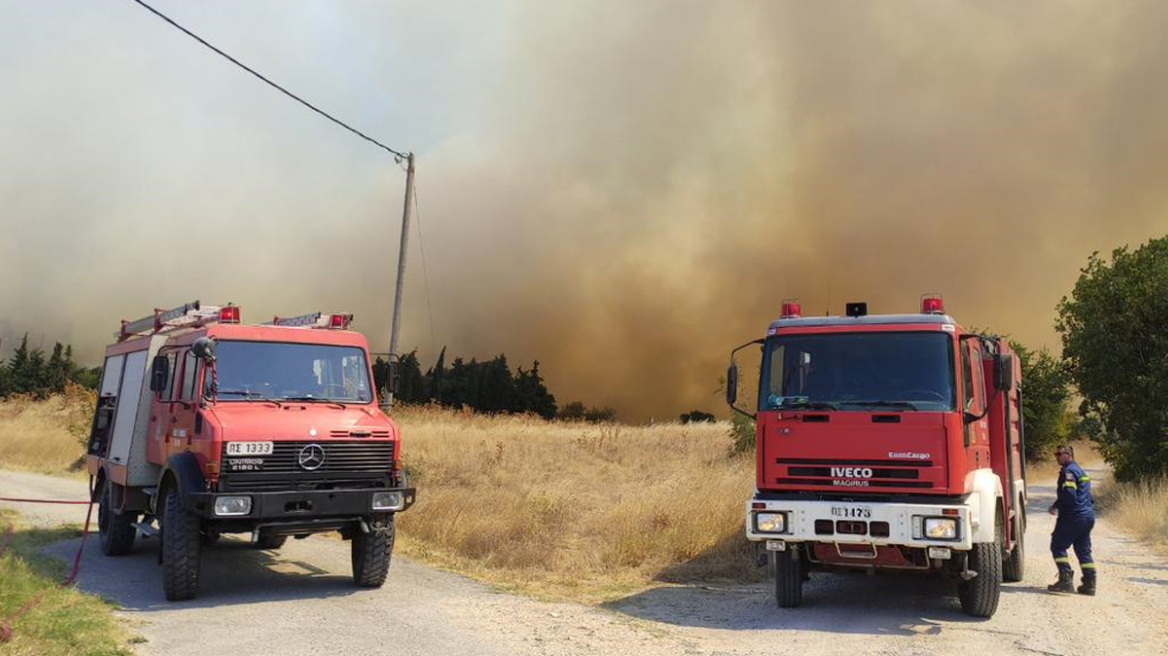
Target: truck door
{"type": "Point", "coordinates": [162, 412]}
{"type": "Point", "coordinates": [182, 423]}
{"type": "Point", "coordinates": [977, 439]}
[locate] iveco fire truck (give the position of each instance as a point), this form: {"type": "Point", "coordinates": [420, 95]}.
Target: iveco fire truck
{"type": "Point", "coordinates": [889, 442]}
{"type": "Point", "coordinates": [206, 426]}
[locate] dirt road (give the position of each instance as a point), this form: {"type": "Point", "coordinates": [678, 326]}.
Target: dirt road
{"type": "Point", "coordinates": [299, 600]}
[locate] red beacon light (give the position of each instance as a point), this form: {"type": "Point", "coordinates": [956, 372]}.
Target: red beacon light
{"type": "Point", "coordinates": [340, 321]}
{"type": "Point", "coordinates": [932, 304]}
{"type": "Point", "coordinates": [229, 314]}
{"type": "Point", "coordinates": [791, 310]}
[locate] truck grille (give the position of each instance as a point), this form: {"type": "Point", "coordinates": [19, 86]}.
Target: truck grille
{"type": "Point", "coordinates": [339, 457]}
{"type": "Point", "coordinates": [843, 473]}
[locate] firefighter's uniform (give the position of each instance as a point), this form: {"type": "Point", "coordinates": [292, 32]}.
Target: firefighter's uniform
{"type": "Point", "coordinates": [1076, 518]}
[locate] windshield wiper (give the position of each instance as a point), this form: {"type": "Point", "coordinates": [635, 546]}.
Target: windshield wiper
{"type": "Point", "coordinates": [249, 395]}
{"type": "Point", "coordinates": [882, 403]}
{"type": "Point", "coordinates": [806, 405]}
{"type": "Point", "coordinates": [314, 399]}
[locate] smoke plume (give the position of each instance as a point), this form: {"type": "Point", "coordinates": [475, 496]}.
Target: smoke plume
{"type": "Point", "coordinates": [623, 191]}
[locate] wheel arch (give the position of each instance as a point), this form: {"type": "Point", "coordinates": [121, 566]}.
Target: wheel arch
{"type": "Point", "coordinates": [182, 473]}
{"type": "Point", "coordinates": [989, 503]}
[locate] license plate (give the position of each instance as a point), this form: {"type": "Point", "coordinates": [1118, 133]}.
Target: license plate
{"type": "Point", "coordinates": [249, 448]}
{"type": "Point", "coordinates": [851, 512]}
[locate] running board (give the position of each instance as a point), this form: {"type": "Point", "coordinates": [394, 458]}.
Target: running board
{"type": "Point", "coordinates": [146, 529]}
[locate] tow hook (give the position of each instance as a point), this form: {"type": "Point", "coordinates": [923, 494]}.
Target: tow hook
{"type": "Point", "coordinates": [968, 575]}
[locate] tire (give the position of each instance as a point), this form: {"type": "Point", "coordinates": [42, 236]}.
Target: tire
{"type": "Point", "coordinates": [371, 553]}
{"type": "Point", "coordinates": [979, 596]}
{"type": "Point", "coordinates": [268, 541]}
{"type": "Point", "coordinates": [1014, 566]}
{"type": "Point", "coordinates": [181, 543]}
{"type": "Point", "coordinates": [115, 530]}
{"type": "Point", "coordinates": [789, 578]}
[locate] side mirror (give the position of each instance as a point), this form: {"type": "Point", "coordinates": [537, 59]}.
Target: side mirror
{"type": "Point", "coordinates": [204, 349]}
{"type": "Point", "coordinates": [1004, 371]}
{"type": "Point", "coordinates": [159, 373]}
{"type": "Point", "coordinates": [732, 384]}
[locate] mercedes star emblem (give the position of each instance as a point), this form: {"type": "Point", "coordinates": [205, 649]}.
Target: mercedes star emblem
{"type": "Point", "coordinates": [311, 457]}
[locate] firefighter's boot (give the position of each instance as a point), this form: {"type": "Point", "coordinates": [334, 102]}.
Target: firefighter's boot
{"type": "Point", "coordinates": [1088, 587]}
{"type": "Point", "coordinates": [1066, 581]}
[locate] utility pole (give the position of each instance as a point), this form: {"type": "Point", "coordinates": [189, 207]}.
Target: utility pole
{"type": "Point", "coordinates": [395, 329]}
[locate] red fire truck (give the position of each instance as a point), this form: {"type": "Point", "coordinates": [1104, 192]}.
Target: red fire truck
{"type": "Point", "coordinates": [206, 426]}
{"type": "Point", "coordinates": [889, 442]}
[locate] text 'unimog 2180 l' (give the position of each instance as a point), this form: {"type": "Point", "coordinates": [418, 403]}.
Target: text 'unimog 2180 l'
{"type": "Point", "coordinates": [206, 426]}
{"type": "Point", "coordinates": [888, 443]}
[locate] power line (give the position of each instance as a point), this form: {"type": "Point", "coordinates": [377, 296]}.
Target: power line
{"type": "Point", "coordinates": [425, 278]}
{"type": "Point", "coordinates": [396, 153]}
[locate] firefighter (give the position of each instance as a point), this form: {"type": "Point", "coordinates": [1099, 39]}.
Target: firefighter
{"type": "Point", "coordinates": [1076, 518]}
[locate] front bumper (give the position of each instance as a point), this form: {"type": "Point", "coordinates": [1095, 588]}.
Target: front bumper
{"type": "Point", "coordinates": [306, 505]}
{"type": "Point", "coordinates": [904, 521]}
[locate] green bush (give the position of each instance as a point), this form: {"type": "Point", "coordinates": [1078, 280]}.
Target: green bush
{"type": "Point", "coordinates": [742, 434]}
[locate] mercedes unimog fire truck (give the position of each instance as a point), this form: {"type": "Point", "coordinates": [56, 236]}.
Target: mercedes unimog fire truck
{"type": "Point", "coordinates": [889, 442]}
{"type": "Point", "coordinates": [206, 426]}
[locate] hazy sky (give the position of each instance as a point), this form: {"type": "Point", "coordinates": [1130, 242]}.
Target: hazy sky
{"type": "Point", "coordinates": [622, 190]}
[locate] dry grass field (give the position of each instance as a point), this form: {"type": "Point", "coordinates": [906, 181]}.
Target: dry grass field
{"type": "Point", "coordinates": [1139, 509]}
{"type": "Point", "coordinates": [575, 510]}
{"type": "Point", "coordinates": [45, 436]}
{"type": "Point", "coordinates": [560, 510]}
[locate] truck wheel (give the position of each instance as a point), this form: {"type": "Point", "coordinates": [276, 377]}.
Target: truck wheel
{"type": "Point", "coordinates": [979, 596]}
{"type": "Point", "coordinates": [180, 549]}
{"type": "Point", "coordinates": [268, 541]}
{"type": "Point", "coordinates": [115, 530]}
{"type": "Point", "coordinates": [1014, 566]}
{"type": "Point", "coordinates": [371, 553]}
{"type": "Point", "coordinates": [789, 577]}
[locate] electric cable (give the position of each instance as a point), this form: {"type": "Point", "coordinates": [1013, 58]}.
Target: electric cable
{"type": "Point", "coordinates": [399, 155]}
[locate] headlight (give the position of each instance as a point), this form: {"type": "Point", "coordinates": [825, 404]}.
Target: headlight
{"type": "Point", "coordinates": [769, 522]}
{"type": "Point", "coordinates": [940, 528]}
{"type": "Point", "coordinates": [388, 501]}
{"type": "Point", "coordinates": [232, 506]}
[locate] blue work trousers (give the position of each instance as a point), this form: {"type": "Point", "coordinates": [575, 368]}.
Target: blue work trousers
{"type": "Point", "coordinates": [1073, 531]}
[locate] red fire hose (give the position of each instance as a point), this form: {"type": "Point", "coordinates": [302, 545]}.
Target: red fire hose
{"type": "Point", "coordinates": [7, 622]}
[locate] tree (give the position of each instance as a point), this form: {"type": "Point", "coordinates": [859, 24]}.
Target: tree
{"type": "Point", "coordinates": [411, 387]}
{"type": "Point", "coordinates": [498, 391]}
{"type": "Point", "coordinates": [533, 394]}
{"type": "Point", "coordinates": [18, 367]}
{"type": "Point", "coordinates": [5, 382]}
{"type": "Point", "coordinates": [573, 411]}
{"type": "Point", "coordinates": [27, 369]}
{"type": "Point", "coordinates": [600, 415]}
{"type": "Point", "coordinates": [436, 376]}
{"type": "Point", "coordinates": [57, 371]}
{"type": "Point", "coordinates": [1116, 350]}
{"type": "Point", "coordinates": [89, 378]}
{"type": "Point", "coordinates": [697, 417]}
{"type": "Point", "coordinates": [1044, 400]}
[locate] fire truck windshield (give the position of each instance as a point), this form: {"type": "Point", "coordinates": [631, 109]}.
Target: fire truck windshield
{"type": "Point", "coordinates": [888, 371]}
{"type": "Point", "coordinates": [300, 372]}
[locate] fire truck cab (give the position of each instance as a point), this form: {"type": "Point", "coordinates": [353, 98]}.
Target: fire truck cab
{"type": "Point", "coordinates": [206, 426]}
{"type": "Point", "coordinates": [890, 442]}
